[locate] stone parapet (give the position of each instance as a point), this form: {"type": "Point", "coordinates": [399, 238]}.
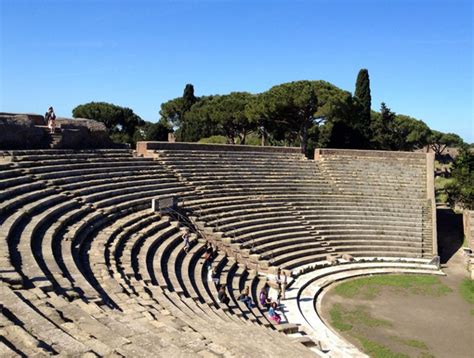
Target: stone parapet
{"type": "Point", "coordinates": [143, 147]}
{"type": "Point", "coordinates": [319, 152]}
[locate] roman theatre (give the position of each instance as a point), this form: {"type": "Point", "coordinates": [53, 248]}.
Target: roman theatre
{"type": "Point", "coordinates": [92, 260]}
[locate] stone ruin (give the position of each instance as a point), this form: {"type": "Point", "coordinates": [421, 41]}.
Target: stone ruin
{"type": "Point", "coordinates": [27, 131]}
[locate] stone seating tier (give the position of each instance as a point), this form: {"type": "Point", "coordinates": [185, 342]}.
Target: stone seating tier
{"type": "Point", "coordinates": [97, 273]}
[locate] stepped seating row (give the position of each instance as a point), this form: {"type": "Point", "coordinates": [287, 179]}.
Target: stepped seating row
{"type": "Point", "coordinates": [82, 242]}
{"type": "Point", "coordinates": [49, 204]}
{"type": "Point", "coordinates": [401, 180]}
{"type": "Point", "coordinates": [346, 222]}
{"type": "Point", "coordinates": [220, 178]}
{"type": "Point", "coordinates": [274, 235]}
{"type": "Point", "coordinates": [405, 178]}
{"type": "Point", "coordinates": [304, 296]}
{"type": "Point", "coordinates": [171, 271]}
{"type": "Point", "coordinates": [110, 277]}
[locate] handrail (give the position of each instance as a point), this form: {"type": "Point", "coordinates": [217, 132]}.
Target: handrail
{"type": "Point", "coordinates": [250, 244]}
{"type": "Point", "coordinates": [188, 222]}
{"type": "Point", "coordinates": [216, 226]}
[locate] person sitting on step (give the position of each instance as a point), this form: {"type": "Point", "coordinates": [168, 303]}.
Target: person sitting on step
{"type": "Point", "coordinates": [208, 256]}
{"type": "Point", "coordinates": [215, 253]}
{"type": "Point", "coordinates": [222, 296]}
{"type": "Point", "coordinates": [213, 276]}
{"type": "Point", "coordinates": [245, 298]}
{"type": "Point", "coordinates": [263, 296]}
{"type": "Point", "coordinates": [274, 316]}
{"type": "Point", "coordinates": [186, 243]}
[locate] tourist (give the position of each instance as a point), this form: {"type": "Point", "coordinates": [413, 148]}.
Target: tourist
{"type": "Point", "coordinates": [283, 284]}
{"type": "Point", "coordinates": [186, 243]}
{"type": "Point", "coordinates": [215, 253]}
{"type": "Point", "coordinates": [263, 296]}
{"type": "Point", "coordinates": [222, 296]}
{"type": "Point", "coordinates": [208, 257]}
{"type": "Point", "coordinates": [273, 314]}
{"type": "Point", "coordinates": [50, 117]}
{"type": "Point", "coordinates": [245, 298]}
{"type": "Point", "coordinates": [278, 293]}
{"type": "Point", "coordinates": [213, 276]}
{"type": "Point", "coordinates": [209, 251]}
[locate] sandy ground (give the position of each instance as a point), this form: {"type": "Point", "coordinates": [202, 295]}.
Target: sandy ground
{"type": "Point", "coordinates": [443, 323]}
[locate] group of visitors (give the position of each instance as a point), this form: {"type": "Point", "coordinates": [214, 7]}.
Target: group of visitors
{"type": "Point", "coordinates": [244, 297]}
{"type": "Point", "coordinates": [210, 253]}
{"type": "Point", "coordinates": [264, 296]}
{"type": "Point", "coordinates": [268, 303]}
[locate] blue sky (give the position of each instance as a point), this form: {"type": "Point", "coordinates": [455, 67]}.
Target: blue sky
{"type": "Point", "coordinates": [137, 54]}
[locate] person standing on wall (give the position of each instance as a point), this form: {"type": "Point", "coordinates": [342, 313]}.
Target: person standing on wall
{"type": "Point", "coordinates": [50, 117]}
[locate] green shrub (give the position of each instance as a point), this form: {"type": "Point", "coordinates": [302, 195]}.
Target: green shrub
{"type": "Point", "coordinates": [215, 139]}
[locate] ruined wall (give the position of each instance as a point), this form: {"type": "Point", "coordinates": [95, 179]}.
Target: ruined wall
{"type": "Point", "coordinates": [29, 131]}
{"type": "Point", "coordinates": [18, 131]}
{"type": "Point", "coordinates": [468, 223]}
{"type": "Point", "coordinates": [81, 133]}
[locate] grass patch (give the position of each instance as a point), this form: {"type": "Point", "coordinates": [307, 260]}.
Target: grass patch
{"type": "Point", "coordinates": [337, 320]}
{"type": "Point", "coordinates": [361, 316]}
{"type": "Point", "coordinates": [377, 350]}
{"type": "Point", "coordinates": [415, 344]}
{"type": "Point", "coordinates": [467, 291]}
{"type": "Point", "coordinates": [426, 355]}
{"type": "Point", "coordinates": [344, 319]}
{"type": "Point", "coordinates": [215, 139]}
{"type": "Point", "coordinates": [411, 342]}
{"type": "Point", "coordinates": [369, 287]}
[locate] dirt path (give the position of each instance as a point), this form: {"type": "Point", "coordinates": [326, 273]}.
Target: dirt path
{"type": "Point", "coordinates": [439, 326]}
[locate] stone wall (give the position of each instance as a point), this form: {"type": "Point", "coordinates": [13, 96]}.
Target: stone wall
{"type": "Point", "coordinates": [18, 131]}
{"type": "Point", "coordinates": [37, 119]}
{"type": "Point", "coordinates": [468, 223]}
{"type": "Point", "coordinates": [81, 133]}
{"type": "Point", "coordinates": [28, 131]}
{"type": "Point", "coordinates": [143, 147]}
{"type": "Point", "coordinates": [367, 153]}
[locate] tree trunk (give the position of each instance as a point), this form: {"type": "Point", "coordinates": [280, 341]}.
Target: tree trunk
{"type": "Point", "coordinates": [243, 137]}
{"type": "Point", "coordinates": [304, 138]}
